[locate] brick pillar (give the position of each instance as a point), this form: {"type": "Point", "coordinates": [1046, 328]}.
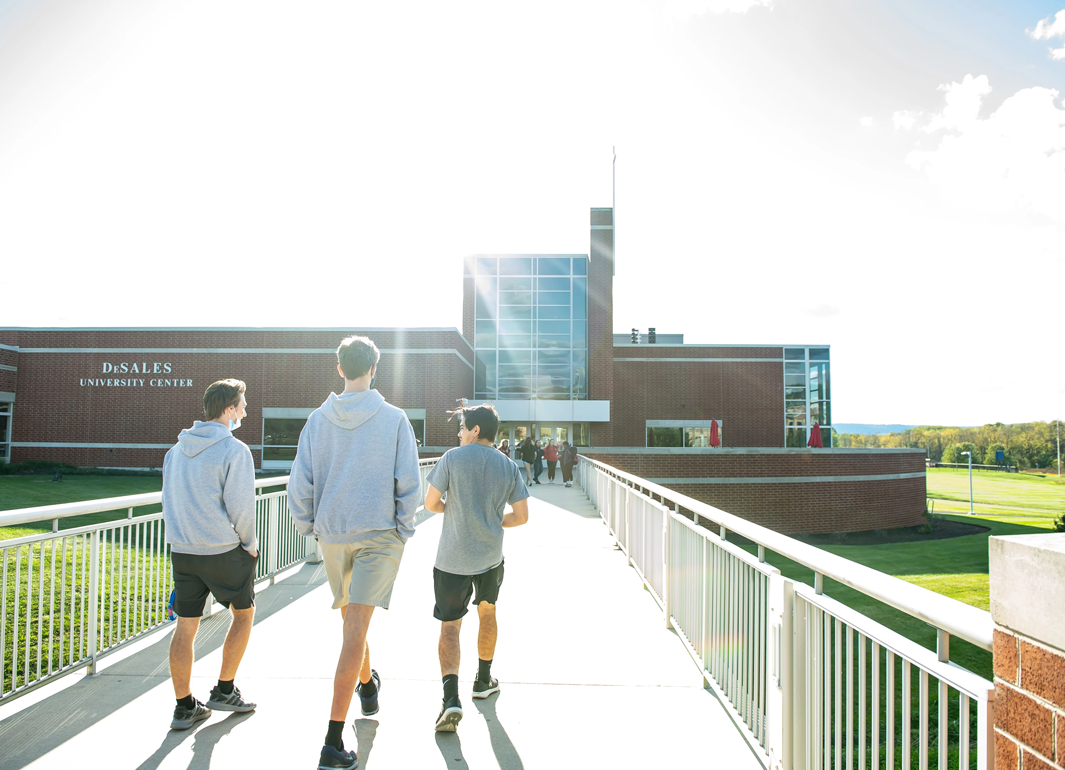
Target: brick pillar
{"type": "Point", "coordinates": [1028, 607]}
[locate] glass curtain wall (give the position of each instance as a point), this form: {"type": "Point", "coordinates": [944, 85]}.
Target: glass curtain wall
{"type": "Point", "coordinates": [531, 328]}
{"type": "Point", "coordinates": [807, 395]}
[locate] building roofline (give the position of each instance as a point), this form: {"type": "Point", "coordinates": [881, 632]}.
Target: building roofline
{"type": "Point", "coordinates": [232, 329]}
{"type": "Point", "coordinates": [708, 345]}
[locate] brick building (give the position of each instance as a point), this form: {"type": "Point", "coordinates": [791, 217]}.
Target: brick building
{"type": "Point", "coordinates": [537, 341]}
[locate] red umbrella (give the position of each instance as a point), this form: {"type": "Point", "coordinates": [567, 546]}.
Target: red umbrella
{"type": "Point", "coordinates": [815, 437]}
{"type": "Point", "coordinates": [715, 440]}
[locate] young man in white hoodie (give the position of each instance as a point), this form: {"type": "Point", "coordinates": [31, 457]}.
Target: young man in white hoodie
{"type": "Point", "coordinates": [209, 515]}
{"type": "Point", "coordinates": [355, 485]}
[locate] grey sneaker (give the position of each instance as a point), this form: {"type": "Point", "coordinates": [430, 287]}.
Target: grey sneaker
{"type": "Point", "coordinates": [484, 689]}
{"type": "Point", "coordinates": [450, 716]}
{"type": "Point", "coordinates": [185, 718]}
{"type": "Point", "coordinates": [231, 702]}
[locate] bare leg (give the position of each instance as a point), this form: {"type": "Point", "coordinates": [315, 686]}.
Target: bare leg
{"type": "Point", "coordinates": [449, 647]}
{"type": "Point", "coordinates": [365, 671]}
{"type": "Point", "coordinates": [352, 654]}
{"type": "Point", "coordinates": [236, 642]}
{"type": "Point", "coordinates": [486, 631]}
{"type": "Point", "coordinates": [181, 655]}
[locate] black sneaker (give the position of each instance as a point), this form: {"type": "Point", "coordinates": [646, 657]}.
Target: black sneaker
{"type": "Point", "coordinates": [185, 718]}
{"type": "Point", "coordinates": [484, 689]}
{"type": "Point", "coordinates": [231, 702]}
{"type": "Point", "coordinates": [370, 705]}
{"type": "Point", "coordinates": [332, 759]}
{"type": "Point", "coordinates": [450, 716]}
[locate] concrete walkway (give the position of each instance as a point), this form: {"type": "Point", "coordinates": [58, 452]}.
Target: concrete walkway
{"type": "Point", "coordinates": [590, 676]}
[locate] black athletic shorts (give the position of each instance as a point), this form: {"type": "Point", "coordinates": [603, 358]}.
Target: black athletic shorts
{"type": "Point", "coordinates": [453, 592]}
{"type": "Point", "coordinates": [230, 576]}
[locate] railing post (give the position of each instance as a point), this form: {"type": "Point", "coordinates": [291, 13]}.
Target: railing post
{"type": "Point", "coordinates": [272, 527]}
{"type": "Point", "coordinates": [667, 577]}
{"type": "Point", "coordinates": [625, 497]}
{"type": "Point", "coordinates": [94, 602]}
{"type": "Point", "coordinates": [774, 676]}
{"type": "Point", "coordinates": [786, 655]}
{"type": "Point", "coordinates": [797, 717]}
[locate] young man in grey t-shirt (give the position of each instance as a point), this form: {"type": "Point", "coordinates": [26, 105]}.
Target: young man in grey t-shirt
{"type": "Point", "coordinates": [479, 482]}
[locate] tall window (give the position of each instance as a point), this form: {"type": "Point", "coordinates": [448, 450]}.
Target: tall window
{"type": "Point", "coordinates": [5, 433]}
{"type": "Point", "coordinates": [531, 328]}
{"type": "Point", "coordinates": [807, 395]}
{"type": "Point", "coordinates": [280, 437]}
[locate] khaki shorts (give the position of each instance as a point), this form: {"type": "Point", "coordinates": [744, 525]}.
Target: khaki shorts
{"type": "Point", "coordinates": [363, 572]}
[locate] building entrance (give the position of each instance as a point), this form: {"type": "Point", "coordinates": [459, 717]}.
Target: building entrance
{"type": "Point", "coordinates": [516, 433]}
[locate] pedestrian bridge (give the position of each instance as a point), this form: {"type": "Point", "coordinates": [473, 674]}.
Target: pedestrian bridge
{"type": "Point", "coordinates": [589, 675]}
{"type": "Point", "coordinates": [633, 632]}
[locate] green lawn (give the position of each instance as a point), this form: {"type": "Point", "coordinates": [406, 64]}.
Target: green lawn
{"type": "Point", "coordinates": [31, 491]}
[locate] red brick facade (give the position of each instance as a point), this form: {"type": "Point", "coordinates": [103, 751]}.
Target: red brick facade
{"type": "Point", "coordinates": [746, 397]}
{"type": "Point", "coordinates": [1029, 704]}
{"type": "Point", "coordinates": [57, 404]}
{"type": "Point", "coordinates": [794, 506]}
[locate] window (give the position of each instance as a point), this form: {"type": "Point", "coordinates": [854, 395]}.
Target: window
{"type": "Point", "coordinates": [530, 311]}
{"type": "Point", "coordinates": [280, 437]}
{"type": "Point", "coordinates": [807, 395]}
{"type": "Point", "coordinates": [417, 421]}
{"type": "Point", "coordinates": [665, 437]}
{"type": "Point", "coordinates": [581, 434]}
{"type": "Point", "coordinates": [5, 433]}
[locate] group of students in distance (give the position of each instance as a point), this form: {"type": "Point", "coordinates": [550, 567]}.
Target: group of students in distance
{"type": "Point", "coordinates": [535, 454]}
{"type": "Point", "coordinates": [355, 486]}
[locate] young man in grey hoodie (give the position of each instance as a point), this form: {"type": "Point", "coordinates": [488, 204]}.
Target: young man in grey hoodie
{"type": "Point", "coordinates": [355, 485]}
{"type": "Point", "coordinates": [209, 515]}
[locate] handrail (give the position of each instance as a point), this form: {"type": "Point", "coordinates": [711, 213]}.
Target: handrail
{"type": "Point", "coordinates": [958, 619]}
{"type": "Point", "coordinates": [102, 505]}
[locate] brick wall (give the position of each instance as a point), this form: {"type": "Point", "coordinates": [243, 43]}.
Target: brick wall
{"type": "Point", "coordinates": [1029, 704]}
{"type": "Point", "coordinates": [601, 323]}
{"type": "Point", "coordinates": [794, 507]}
{"type": "Point", "coordinates": [54, 403]}
{"type": "Point", "coordinates": [8, 379]}
{"type": "Point", "coordinates": [746, 396]}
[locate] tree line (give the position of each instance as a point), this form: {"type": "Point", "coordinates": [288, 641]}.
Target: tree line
{"type": "Point", "coordinates": [1026, 445]}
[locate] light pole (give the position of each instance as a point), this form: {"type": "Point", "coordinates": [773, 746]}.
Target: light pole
{"type": "Point", "coordinates": [970, 481]}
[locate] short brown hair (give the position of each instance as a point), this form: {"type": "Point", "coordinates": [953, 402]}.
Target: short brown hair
{"type": "Point", "coordinates": [221, 395]}
{"type": "Point", "coordinates": [484, 416]}
{"type": "Point", "coordinates": [356, 356]}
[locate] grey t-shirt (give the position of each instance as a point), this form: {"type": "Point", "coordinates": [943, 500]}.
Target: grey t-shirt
{"type": "Point", "coordinates": [479, 481]}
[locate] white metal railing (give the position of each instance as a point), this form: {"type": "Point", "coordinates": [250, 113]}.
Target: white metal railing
{"type": "Point", "coordinates": [785, 657]}
{"type": "Point", "coordinates": [70, 596]}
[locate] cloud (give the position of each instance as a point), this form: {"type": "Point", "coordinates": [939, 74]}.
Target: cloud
{"type": "Point", "coordinates": [1048, 30]}
{"type": "Point", "coordinates": [905, 119]}
{"type": "Point", "coordinates": [963, 105]}
{"type": "Point", "coordinates": [685, 9]}
{"type": "Point", "coordinates": [867, 121]}
{"type": "Point", "coordinates": [1013, 159]}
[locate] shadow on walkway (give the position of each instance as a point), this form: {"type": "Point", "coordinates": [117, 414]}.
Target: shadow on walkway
{"type": "Point", "coordinates": [502, 746]}
{"type": "Point", "coordinates": [44, 726]}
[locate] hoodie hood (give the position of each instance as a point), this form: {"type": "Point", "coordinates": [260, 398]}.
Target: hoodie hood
{"type": "Point", "coordinates": [350, 410]}
{"type": "Point", "coordinates": [202, 435]}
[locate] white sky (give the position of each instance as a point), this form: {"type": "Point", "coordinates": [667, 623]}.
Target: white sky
{"type": "Point", "coordinates": [888, 179]}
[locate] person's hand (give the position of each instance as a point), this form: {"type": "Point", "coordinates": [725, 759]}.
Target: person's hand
{"type": "Point", "coordinates": [254, 554]}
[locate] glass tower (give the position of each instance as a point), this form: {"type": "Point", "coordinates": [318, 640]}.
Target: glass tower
{"type": "Point", "coordinates": [531, 327]}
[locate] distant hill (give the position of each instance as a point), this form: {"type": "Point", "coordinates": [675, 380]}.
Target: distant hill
{"type": "Point", "coordinates": [869, 429]}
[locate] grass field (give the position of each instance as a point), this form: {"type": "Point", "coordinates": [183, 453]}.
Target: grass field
{"type": "Point", "coordinates": [31, 491]}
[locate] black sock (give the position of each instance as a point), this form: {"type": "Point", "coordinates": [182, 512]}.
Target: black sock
{"type": "Point", "coordinates": [226, 686]}
{"type": "Point", "coordinates": [336, 729]}
{"type": "Point", "coordinates": [451, 686]}
{"type": "Point", "coordinates": [484, 670]}
{"type": "Point", "coordinates": [187, 702]}
{"type": "Point", "coordinates": [368, 689]}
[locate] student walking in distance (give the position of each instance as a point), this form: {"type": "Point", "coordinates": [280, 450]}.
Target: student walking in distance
{"type": "Point", "coordinates": [551, 458]}
{"type": "Point", "coordinates": [538, 464]}
{"type": "Point", "coordinates": [209, 517]}
{"type": "Point", "coordinates": [479, 482]}
{"type": "Point", "coordinates": [355, 485]}
{"type": "Point", "coordinates": [569, 459]}
{"type": "Point", "coordinates": [528, 457]}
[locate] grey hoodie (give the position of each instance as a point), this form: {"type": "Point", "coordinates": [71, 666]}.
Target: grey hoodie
{"type": "Point", "coordinates": [356, 471]}
{"type": "Point", "coordinates": [209, 492]}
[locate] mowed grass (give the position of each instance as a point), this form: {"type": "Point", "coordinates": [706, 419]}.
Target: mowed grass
{"type": "Point", "coordinates": [1008, 504]}
{"type": "Point", "coordinates": [31, 491]}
